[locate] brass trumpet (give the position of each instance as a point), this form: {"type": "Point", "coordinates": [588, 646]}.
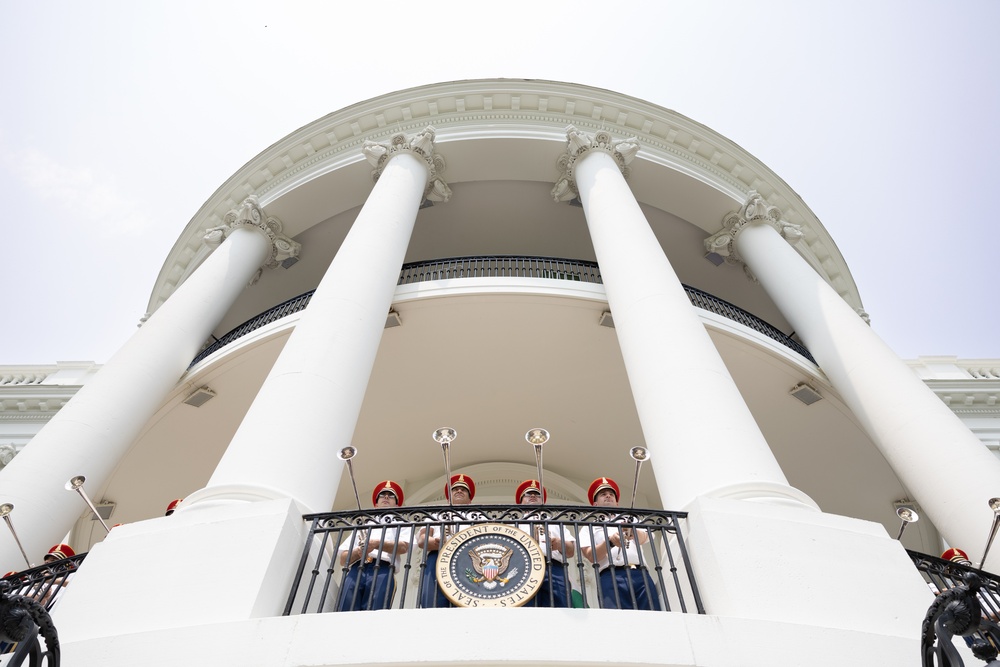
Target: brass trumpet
{"type": "Point", "coordinates": [907, 516]}
{"type": "Point", "coordinates": [5, 511]}
{"type": "Point", "coordinates": [640, 455]}
{"type": "Point", "coordinates": [76, 484]}
{"type": "Point", "coordinates": [537, 437]}
{"type": "Point", "coordinates": [444, 436]}
{"type": "Point", "coordinates": [345, 455]}
{"type": "Point", "coordinates": [995, 506]}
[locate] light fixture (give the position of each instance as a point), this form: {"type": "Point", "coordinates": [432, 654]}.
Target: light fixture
{"type": "Point", "coordinates": [392, 319]}
{"type": "Point", "coordinates": [805, 393]}
{"type": "Point", "coordinates": [200, 397]}
{"type": "Point", "coordinates": [715, 258]}
{"type": "Point", "coordinates": [606, 320]}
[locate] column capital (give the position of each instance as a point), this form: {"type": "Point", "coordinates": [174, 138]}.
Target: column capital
{"type": "Point", "coordinates": [420, 145]}
{"type": "Point", "coordinates": [250, 214]}
{"type": "Point", "coordinates": [579, 144]}
{"type": "Point", "coordinates": [754, 209]}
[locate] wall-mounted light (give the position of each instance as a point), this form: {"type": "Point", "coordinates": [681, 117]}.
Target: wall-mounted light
{"type": "Point", "coordinates": [392, 319]}
{"type": "Point", "coordinates": [200, 397]}
{"type": "Point", "coordinates": [805, 393]}
{"type": "Point", "coordinates": [606, 320]}
{"type": "Point", "coordinates": [715, 258]}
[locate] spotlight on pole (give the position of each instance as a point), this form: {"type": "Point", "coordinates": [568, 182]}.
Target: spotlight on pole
{"type": "Point", "coordinates": [907, 515]}
{"type": "Point", "coordinates": [444, 437]}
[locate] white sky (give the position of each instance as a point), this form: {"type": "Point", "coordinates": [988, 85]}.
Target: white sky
{"type": "Point", "coordinates": [119, 119]}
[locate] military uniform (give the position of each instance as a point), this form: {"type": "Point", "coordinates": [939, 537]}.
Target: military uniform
{"type": "Point", "coordinates": [624, 582]}
{"type": "Point", "coordinates": [373, 555]}
{"type": "Point", "coordinates": [555, 590]}
{"type": "Point", "coordinates": [430, 593]}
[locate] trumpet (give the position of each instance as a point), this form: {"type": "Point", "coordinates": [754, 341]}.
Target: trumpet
{"type": "Point", "coordinates": [5, 511]}
{"type": "Point", "coordinates": [640, 455]}
{"type": "Point", "coordinates": [994, 504]}
{"type": "Point", "coordinates": [907, 516]}
{"type": "Point", "coordinates": [444, 436]}
{"type": "Point", "coordinates": [345, 455]}
{"type": "Point", "coordinates": [537, 437]}
{"type": "Point", "coordinates": [76, 484]}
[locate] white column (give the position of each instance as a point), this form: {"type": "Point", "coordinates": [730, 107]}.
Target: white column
{"type": "Point", "coordinates": [95, 429]}
{"type": "Point", "coordinates": [307, 408]}
{"type": "Point", "coordinates": [700, 433]}
{"type": "Point", "coordinates": [950, 473]}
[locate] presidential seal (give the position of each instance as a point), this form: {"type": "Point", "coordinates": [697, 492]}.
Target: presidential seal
{"type": "Point", "coordinates": [490, 565]}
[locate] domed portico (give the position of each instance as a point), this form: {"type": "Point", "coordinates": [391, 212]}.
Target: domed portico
{"type": "Point", "coordinates": [642, 196]}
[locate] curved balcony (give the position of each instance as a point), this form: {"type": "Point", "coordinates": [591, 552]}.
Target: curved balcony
{"type": "Point", "coordinates": [320, 585]}
{"type": "Point", "coordinates": [493, 266]}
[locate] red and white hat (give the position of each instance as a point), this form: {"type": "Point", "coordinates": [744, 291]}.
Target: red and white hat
{"type": "Point", "coordinates": [391, 487]}
{"type": "Point", "coordinates": [956, 556]}
{"type": "Point", "coordinates": [59, 551]}
{"type": "Point", "coordinates": [461, 480]}
{"type": "Point", "coordinates": [529, 485]}
{"type": "Point", "coordinates": [599, 485]}
{"type": "Point", "coordinates": [172, 506]}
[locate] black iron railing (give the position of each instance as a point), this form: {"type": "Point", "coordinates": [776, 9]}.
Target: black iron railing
{"type": "Point", "coordinates": [43, 584]}
{"type": "Point", "coordinates": [942, 575]}
{"type": "Point", "coordinates": [967, 604]}
{"type": "Point", "coordinates": [391, 544]}
{"type": "Point", "coordinates": [490, 266]}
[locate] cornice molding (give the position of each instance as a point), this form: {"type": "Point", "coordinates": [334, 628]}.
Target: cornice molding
{"type": "Point", "coordinates": [506, 108]}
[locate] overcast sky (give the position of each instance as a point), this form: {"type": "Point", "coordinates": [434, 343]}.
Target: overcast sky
{"type": "Point", "coordinates": [119, 119]}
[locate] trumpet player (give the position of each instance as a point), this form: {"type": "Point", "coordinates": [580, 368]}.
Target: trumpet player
{"type": "Point", "coordinates": [556, 543]}
{"type": "Point", "coordinates": [372, 556]}
{"type": "Point", "coordinates": [461, 490]}
{"type": "Point", "coordinates": [624, 581]}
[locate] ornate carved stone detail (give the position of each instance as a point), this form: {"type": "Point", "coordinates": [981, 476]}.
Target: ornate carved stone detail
{"type": "Point", "coordinates": [7, 453]}
{"type": "Point", "coordinates": [250, 214]}
{"type": "Point", "coordinates": [578, 144]}
{"type": "Point", "coordinates": [755, 209]}
{"type": "Point", "coordinates": [422, 146]}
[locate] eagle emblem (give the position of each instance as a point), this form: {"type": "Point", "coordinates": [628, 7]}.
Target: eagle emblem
{"type": "Point", "coordinates": [490, 562]}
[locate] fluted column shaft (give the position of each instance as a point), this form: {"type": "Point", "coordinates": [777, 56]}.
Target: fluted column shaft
{"type": "Point", "coordinates": [91, 434]}
{"type": "Point", "coordinates": [700, 433]}
{"type": "Point", "coordinates": [949, 472]}
{"type": "Point", "coordinates": [307, 408]}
